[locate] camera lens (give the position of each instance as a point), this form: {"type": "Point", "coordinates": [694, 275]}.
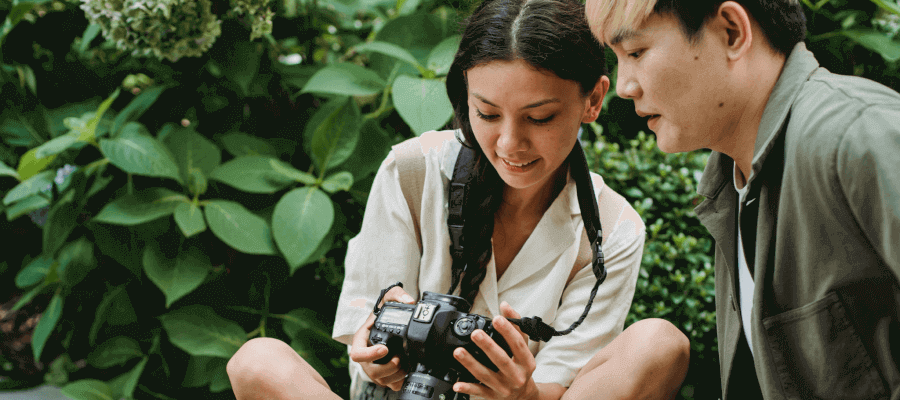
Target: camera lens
{"type": "Point", "coordinates": [421, 386]}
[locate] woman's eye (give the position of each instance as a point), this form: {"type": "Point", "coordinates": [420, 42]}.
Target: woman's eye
{"type": "Point", "coordinates": [542, 120]}
{"type": "Point", "coordinates": [486, 117]}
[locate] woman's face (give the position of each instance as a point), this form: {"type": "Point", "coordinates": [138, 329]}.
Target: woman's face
{"type": "Point", "coordinates": [526, 120]}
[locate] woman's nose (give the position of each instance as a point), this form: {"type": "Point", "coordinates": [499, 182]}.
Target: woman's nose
{"type": "Point", "coordinates": [513, 138]}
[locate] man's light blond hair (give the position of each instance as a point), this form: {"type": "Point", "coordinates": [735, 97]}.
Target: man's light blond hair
{"type": "Point", "coordinates": [609, 18]}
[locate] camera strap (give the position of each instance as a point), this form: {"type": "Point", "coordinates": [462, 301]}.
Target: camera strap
{"type": "Point", "coordinates": [460, 186]}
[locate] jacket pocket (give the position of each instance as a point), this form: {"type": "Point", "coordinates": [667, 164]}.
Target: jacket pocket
{"type": "Point", "coordinates": [818, 354]}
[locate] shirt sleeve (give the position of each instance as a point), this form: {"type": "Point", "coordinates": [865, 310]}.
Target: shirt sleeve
{"type": "Point", "coordinates": [384, 252]}
{"type": "Point", "coordinates": [560, 359]}
{"type": "Point", "coordinates": [867, 165]}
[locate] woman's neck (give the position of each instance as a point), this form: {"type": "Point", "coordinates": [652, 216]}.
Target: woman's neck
{"type": "Point", "coordinates": [533, 200]}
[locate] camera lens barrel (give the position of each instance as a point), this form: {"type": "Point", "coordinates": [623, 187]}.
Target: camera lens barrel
{"type": "Point", "coordinates": [422, 386]}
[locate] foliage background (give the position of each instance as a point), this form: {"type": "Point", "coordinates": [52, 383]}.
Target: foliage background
{"type": "Point", "coordinates": [183, 176]}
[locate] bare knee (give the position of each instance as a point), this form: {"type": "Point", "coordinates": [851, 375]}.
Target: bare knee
{"type": "Point", "coordinates": [665, 350]}
{"type": "Point", "coordinates": [253, 361]}
{"type": "Point", "coordinates": [268, 368]}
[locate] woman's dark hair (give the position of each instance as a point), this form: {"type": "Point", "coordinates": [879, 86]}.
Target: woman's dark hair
{"type": "Point", "coordinates": [550, 35]}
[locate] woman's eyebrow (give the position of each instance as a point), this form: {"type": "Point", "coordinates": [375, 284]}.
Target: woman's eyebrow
{"type": "Point", "coordinates": [532, 105]}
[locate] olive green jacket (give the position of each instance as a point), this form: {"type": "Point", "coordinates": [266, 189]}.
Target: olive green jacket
{"type": "Point", "coordinates": [826, 306]}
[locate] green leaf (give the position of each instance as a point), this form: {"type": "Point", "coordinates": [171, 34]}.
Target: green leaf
{"type": "Point", "coordinates": [120, 243]}
{"type": "Point", "coordinates": [143, 206]}
{"type": "Point", "coordinates": [89, 132]}
{"type": "Point", "coordinates": [76, 260]}
{"type": "Point", "coordinates": [876, 41]}
{"type": "Point", "coordinates": [31, 186]}
{"type": "Point", "coordinates": [88, 389]}
{"type": "Point", "coordinates": [334, 133]}
{"type": "Point", "coordinates": [115, 351]}
{"type": "Point", "coordinates": [137, 107]}
{"type": "Point", "coordinates": [239, 228]}
{"type": "Point", "coordinates": [61, 221]}
{"type": "Point", "coordinates": [30, 165]}
{"type": "Point", "coordinates": [254, 174]}
{"type": "Point", "coordinates": [219, 381]}
{"type": "Point", "coordinates": [291, 172]}
{"type": "Point", "coordinates": [417, 33]}
{"type": "Point", "coordinates": [422, 103]}
{"type": "Point", "coordinates": [345, 79]}
{"type": "Point", "coordinates": [203, 370]}
{"type": "Point", "coordinates": [7, 171]}
{"type": "Point", "coordinates": [189, 218]}
{"type": "Point", "coordinates": [131, 379]}
{"type": "Point", "coordinates": [138, 154]}
{"type": "Point", "coordinates": [197, 330]}
{"type": "Point", "coordinates": [242, 144]}
{"type": "Point", "coordinates": [46, 325]}
{"type": "Point", "coordinates": [27, 298]}
{"type": "Point", "coordinates": [56, 146]}
{"type": "Point", "coordinates": [337, 182]}
{"type": "Point", "coordinates": [101, 312]}
{"type": "Point", "coordinates": [193, 151]}
{"type": "Point", "coordinates": [89, 34]}
{"type": "Point", "coordinates": [59, 119]}
{"type": "Point", "coordinates": [301, 220]}
{"type": "Point", "coordinates": [390, 50]}
{"type": "Point", "coordinates": [442, 56]}
{"type": "Point", "coordinates": [370, 152]}
{"type": "Point", "coordinates": [179, 276]}
{"type": "Point", "coordinates": [300, 320]}
{"type": "Point", "coordinates": [35, 271]}
{"type": "Point", "coordinates": [243, 64]}
{"type": "Point", "coordinates": [26, 206]}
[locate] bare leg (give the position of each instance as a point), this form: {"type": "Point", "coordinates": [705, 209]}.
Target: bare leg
{"type": "Point", "coordinates": [266, 368]}
{"type": "Point", "coordinates": [649, 360]}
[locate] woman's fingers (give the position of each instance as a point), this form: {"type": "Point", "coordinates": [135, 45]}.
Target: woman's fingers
{"type": "Point", "coordinates": [360, 351]}
{"type": "Point", "coordinates": [399, 295]}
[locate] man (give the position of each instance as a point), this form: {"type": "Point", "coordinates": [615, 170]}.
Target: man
{"type": "Point", "coordinates": [802, 188]}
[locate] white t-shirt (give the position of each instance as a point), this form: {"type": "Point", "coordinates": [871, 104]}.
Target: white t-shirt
{"type": "Point", "coordinates": [745, 280]}
{"type": "Point", "coordinates": [535, 284]}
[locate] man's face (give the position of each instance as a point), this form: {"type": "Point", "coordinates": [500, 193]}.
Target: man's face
{"type": "Point", "coordinates": [680, 85]}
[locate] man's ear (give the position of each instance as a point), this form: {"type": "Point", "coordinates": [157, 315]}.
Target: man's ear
{"type": "Point", "coordinates": [734, 22]}
{"type": "Point", "coordinates": [595, 100]}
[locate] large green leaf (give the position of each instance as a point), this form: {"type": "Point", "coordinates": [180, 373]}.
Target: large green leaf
{"type": "Point", "coordinates": [391, 50]}
{"type": "Point", "coordinates": [88, 389]}
{"type": "Point", "coordinates": [115, 309]}
{"type": "Point", "coordinates": [5, 170]}
{"type": "Point", "coordinates": [46, 325]}
{"type": "Point", "coordinates": [370, 152]}
{"type": "Point", "coordinates": [26, 206]}
{"type": "Point", "coordinates": [138, 105]}
{"type": "Point", "coordinates": [254, 174]}
{"type": "Point", "coordinates": [203, 370]}
{"type": "Point", "coordinates": [189, 218]}
{"type": "Point", "coordinates": [239, 228]}
{"type": "Point", "coordinates": [301, 220]}
{"type": "Point", "coordinates": [179, 276]}
{"type": "Point", "coordinates": [140, 154]}
{"type": "Point", "coordinates": [441, 56]}
{"type": "Point", "coordinates": [293, 173]}
{"type": "Point", "coordinates": [31, 186]}
{"type": "Point", "coordinates": [115, 351]}
{"type": "Point", "coordinates": [193, 151]}
{"type": "Point", "coordinates": [417, 33]}
{"type": "Point", "coordinates": [61, 221]}
{"type": "Point", "coordinates": [56, 145]}
{"type": "Point", "coordinates": [35, 272]}
{"type": "Point", "coordinates": [143, 206]}
{"type": "Point", "coordinates": [345, 79]}
{"type": "Point", "coordinates": [197, 330]}
{"type": "Point", "coordinates": [876, 41]}
{"type": "Point", "coordinates": [126, 383]}
{"type": "Point", "coordinates": [120, 243]}
{"type": "Point", "coordinates": [341, 181]}
{"type": "Point", "coordinates": [76, 259]}
{"type": "Point", "coordinates": [30, 165]}
{"type": "Point", "coordinates": [219, 381]}
{"type": "Point", "coordinates": [334, 132]}
{"type": "Point", "coordinates": [57, 118]}
{"type": "Point", "coordinates": [242, 144]}
{"type": "Point", "coordinates": [422, 103]}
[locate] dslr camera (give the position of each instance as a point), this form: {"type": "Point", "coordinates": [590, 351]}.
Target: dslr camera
{"type": "Point", "coordinates": [425, 335]}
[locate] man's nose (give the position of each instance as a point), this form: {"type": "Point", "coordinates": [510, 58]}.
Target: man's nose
{"type": "Point", "coordinates": [626, 86]}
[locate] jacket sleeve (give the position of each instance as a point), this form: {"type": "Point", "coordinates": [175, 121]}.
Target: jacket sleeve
{"type": "Point", "coordinates": [384, 252]}
{"type": "Point", "coordinates": [868, 162]}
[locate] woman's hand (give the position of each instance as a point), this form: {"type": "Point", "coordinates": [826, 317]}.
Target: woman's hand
{"type": "Point", "coordinates": [513, 378]}
{"type": "Point", "coordinates": [390, 374]}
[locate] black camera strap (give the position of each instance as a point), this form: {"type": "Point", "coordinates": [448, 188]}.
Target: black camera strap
{"type": "Point", "coordinates": [460, 186]}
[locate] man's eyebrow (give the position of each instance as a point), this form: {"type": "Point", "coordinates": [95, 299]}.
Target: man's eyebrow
{"type": "Point", "coordinates": [533, 105]}
{"type": "Point", "coordinates": [621, 35]}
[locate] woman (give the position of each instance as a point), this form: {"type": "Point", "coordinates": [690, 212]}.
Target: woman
{"type": "Point", "coordinates": [527, 74]}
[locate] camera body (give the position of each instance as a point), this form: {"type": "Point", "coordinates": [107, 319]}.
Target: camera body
{"type": "Point", "coordinates": [425, 335]}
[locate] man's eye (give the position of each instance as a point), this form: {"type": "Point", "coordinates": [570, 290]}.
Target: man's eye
{"type": "Point", "coordinates": [636, 54]}
{"type": "Point", "coordinates": [486, 117]}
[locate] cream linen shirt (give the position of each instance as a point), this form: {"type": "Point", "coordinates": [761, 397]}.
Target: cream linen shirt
{"type": "Point", "coordinates": [535, 284]}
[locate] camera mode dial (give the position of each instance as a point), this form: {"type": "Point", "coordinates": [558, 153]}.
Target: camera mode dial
{"type": "Point", "coordinates": [464, 326]}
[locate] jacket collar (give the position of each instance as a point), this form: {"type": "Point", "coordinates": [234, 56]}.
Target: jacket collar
{"type": "Point", "coordinates": [798, 67]}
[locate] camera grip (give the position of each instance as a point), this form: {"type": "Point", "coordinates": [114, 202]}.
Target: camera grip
{"type": "Point", "coordinates": [377, 337]}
